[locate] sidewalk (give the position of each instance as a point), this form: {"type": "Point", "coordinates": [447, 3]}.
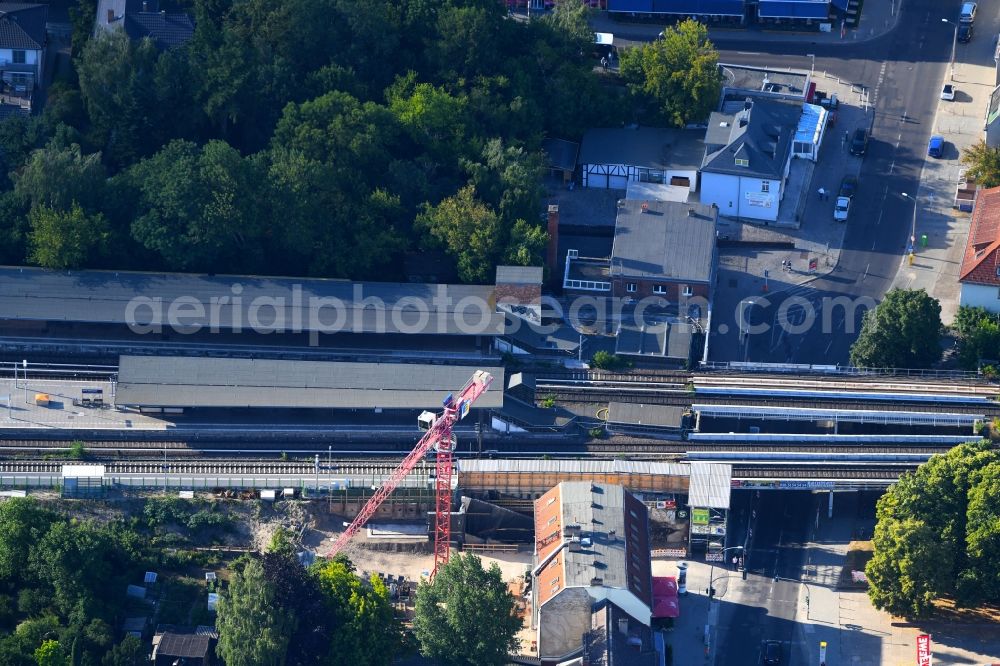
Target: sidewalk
{"type": "Point", "coordinates": [855, 632]}
{"type": "Point", "coordinates": [936, 266]}
{"type": "Point", "coordinates": [688, 637]}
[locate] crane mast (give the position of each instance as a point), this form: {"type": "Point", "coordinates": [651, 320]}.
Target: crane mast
{"type": "Point", "coordinates": [437, 436]}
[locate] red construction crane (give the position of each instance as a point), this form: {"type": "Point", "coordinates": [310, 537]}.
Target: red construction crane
{"type": "Point", "coordinates": [438, 436]}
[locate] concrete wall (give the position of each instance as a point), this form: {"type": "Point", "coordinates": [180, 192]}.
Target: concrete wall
{"type": "Point", "coordinates": [739, 196]}
{"type": "Point", "coordinates": [978, 295]}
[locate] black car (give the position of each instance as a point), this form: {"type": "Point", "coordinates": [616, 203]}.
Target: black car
{"type": "Point", "coordinates": [771, 653]}
{"type": "Point", "coordinates": [965, 32]}
{"type": "Point", "coordinates": [859, 143]}
{"type": "Point", "coordinates": [848, 186]}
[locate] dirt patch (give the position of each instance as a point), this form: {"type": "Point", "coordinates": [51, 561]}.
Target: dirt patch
{"type": "Point", "coordinates": [946, 610]}
{"type": "Point", "coordinates": [858, 554]}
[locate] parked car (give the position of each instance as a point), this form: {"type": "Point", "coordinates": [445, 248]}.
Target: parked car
{"type": "Point", "coordinates": [842, 209]}
{"type": "Point", "coordinates": [948, 92]}
{"type": "Point", "coordinates": [965, 33]}
{"type": "Point", "coordinates": [935, 147]}
{"type": "Point", "coordinates": [968, 13]}
{"type": "Point", "coordinates": [771, 653]}
{"type": "Point", "coordinates": [859, 143]}
{"type": "Point", "coordinates": [848, 186]}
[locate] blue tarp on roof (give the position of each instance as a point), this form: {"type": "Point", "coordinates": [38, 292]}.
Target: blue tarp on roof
{"type": "Point", "coordinates": [700, 7]}
{"type": "Point", "coordinates": [801, 9]}
{"type": "Point", "coordinates": [644, 6]}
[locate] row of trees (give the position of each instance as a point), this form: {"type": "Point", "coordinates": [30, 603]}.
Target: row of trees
{"type": "Point", "coordinates": [277, 612]}
{"type": "Point", "coordinates": [905, 331]}
{"type": "Point", "coordinates": [938, 534]}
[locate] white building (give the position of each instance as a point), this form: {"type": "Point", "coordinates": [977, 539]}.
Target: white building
{"type": "Point", "coordinates": [748, 155]}
{"type": "Point", "coordinates": [980, 272]}
{"type": "Point", "coordinates": [612, 157]}
{"type": "Point", "coordinates": [22, 46]}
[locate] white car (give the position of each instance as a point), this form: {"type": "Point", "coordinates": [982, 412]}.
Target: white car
{"type": "Point", "coordinates": [948, 92]}
{"type": "Point", "coordinates": [842, 208]}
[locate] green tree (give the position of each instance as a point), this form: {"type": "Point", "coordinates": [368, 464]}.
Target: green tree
{"type": "Point", "coordinates": [365, 631]}
{"type": "Point", "coordinates": [527, 244]}
{"type": "Point", "coordinates": [931, 528]}
{"type": "Point", "coordinates": [117, 83]}
{"type": "Point", "coordinates": [23, 521]}
{"type": "Point", "coordinates": [983, 162]}
{"type": "Point", "coordinates": [468, 229]}
{"type": "Point", "coordinates": [680, 72]}
{"type": "Point", "coordinates": [200, 207]}
{"type": "Point", "coordinates": [904, 331]}
{"type": "Point", "coordinates": [66, 239]}
{"type": "Point", "coordinates": [130, 652]}
{"type": "Point", "coordinates": [465, 616]}
{"type": "Point", "coordinates": [979, 331]}
{"type": "Point", "coordinates": [50, 653]}
{"type": "Point", "coordinates": [57, 177]}
{"type": "Point", "coordinates": [253, 629]}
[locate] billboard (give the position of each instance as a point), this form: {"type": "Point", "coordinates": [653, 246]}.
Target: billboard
{"type": "Point", "coordinates": [924, 650]}
{"type": "Point", "coordinates": [699, 516]}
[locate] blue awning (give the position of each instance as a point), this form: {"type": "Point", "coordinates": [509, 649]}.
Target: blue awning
{"type": "Point", "coordinates": [795, 9]}
{"type": "Point", "coordinates": [700, 7]}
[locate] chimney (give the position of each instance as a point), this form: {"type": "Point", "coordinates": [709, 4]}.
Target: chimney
{"type": "Point", "coordinates": [111, 16]}
{"type": "Point", "coordinates": [552, 256]}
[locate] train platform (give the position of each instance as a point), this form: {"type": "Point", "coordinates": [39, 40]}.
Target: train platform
{"type": "Point", "coordinates": [59, 404]}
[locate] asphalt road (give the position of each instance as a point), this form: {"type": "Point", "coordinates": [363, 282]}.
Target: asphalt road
{"type": "Point", "coordinates": [764, 606]}
{"type": "Point", "coordinates": [903, 71]}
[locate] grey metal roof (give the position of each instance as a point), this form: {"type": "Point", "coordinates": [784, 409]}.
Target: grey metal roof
{"type": "Point", "coordinates": [653, 147]}
{"type": "Point", "coordinates": [602, 512]}
{"type": "Point", "coordinates": [192, 646]}
{"type": "Point", "coordinates": [742, 79]}
{"type": "Point", "coordinates": [669, 240]}
{"type": "Point", "coordinates": [761, 134]}
{"type": "Point", "coordinates": [560, 154]}
{"type": "Point", "coordinates": [223, 382]}
{"type": "Point", "coordinates": [658, 338]}
{"type": "Point", "coordinates": [636, 414]}
{"type": "Point", "coordinates": [289, 304]}
{"type": "Point", "coordinates": [710, 485]}
{"type": "Point", "coordinates": [22, 26]}
{"type": "Point", "coordinates": [575, 466]}
{"type": "Point", "coordinates": [519, 275]}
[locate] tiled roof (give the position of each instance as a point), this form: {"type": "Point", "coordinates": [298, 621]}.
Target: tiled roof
{"type": "Point", "coordinates": [761, 134]}
{"type": "Point", "coordinates": [166, 30]}
{"type": "Point", "coordinates": [22, 26]}
{"type": "Point", "coordinates": [982, 253]}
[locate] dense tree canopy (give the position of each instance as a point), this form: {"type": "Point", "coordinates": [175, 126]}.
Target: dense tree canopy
{"type": "Point", "coordinates": [938, 534]}
{"type": "Point", "coordinates": [983, 162]}
{"type": "Point", "coordinates": [979, 331]}
{"type": "Point", "coordinates": [679, 72]}
{"type": "Point", "coordinates": [466, 615]}
{"type": "Point", "coordinates": [303, 137]}
{"type": "Point", "coordinates": [904, 331]}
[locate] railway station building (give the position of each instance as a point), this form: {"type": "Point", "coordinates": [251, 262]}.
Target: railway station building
{"type": "Point", "coordinates": [105, 311]}
{"type": "Point", "coordinates": [173, 384]}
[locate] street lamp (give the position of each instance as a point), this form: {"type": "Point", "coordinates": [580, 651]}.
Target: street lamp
{"type": "Point", "coordinates": [913, 225]}
{"type": "Point", "coordinates": [711, 571]}
{"type": "Point", "coordinates": [954, 44]}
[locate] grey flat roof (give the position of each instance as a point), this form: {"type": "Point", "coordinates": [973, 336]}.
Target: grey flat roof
{"type": "Point", "coordinates": [231, 302]}
{"type": "Point", "coordinates": [519, 275]}
{"type": "Point", "coordinates": [669, 240]}
{"type": "Point", "coordinates": [651, 415]}
{"type": "Point", "coordinates": [741, 78]}
{"type": "Point", "coordinates": [710, 485]}
{"type": "Point", "coordinates": [663, 148]}
{"type": "Point", "coordinates": [170, 381]}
